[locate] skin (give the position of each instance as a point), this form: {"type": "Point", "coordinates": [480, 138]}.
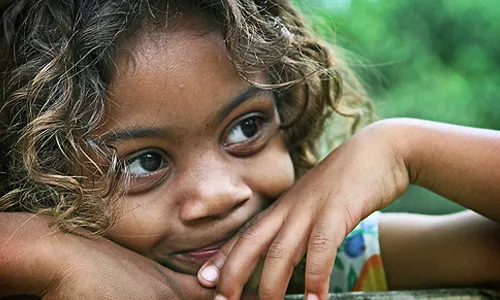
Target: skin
{"type": "Point", "coordinates": [418, 251]}
{"type": "Point", "coordinates": [178, 98]}
{"type": "Point", "coordinates": [166, 101]}
{"type": "Point", "coordinates": [211, 189]}
{"type": "Point", "coordinates": [37, 259]}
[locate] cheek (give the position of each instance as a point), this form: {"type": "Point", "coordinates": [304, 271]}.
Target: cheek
{"type": "Point", "coordinates": [271, 172]}
{"type": "Point", "coordinates": [137, 227]}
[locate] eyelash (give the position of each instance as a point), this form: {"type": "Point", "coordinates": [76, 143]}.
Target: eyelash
{"type": "Point", "coordinates": [254, 143]}
{"type": "Point", "coordinates": [146, 180]}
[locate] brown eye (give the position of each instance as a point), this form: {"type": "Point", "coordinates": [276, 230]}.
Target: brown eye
{"type": "Point", "coordinates": [249, 134]}
{"type": "Point", "coordinates": [147, 168]}
{"type": "Point", "coordinates": [145, 163]}
{"type": "Point", "coordinates": [244, 130]}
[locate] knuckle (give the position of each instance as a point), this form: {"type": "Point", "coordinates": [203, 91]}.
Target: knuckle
{"type": "Point", "coordinates": [320, 241]}
{"type": "Point", "coordinates": [320, 244]}
{"type": "Point", "coordinates": [276, 251]}
{"type": "Point", "coordinates": [249, 235]}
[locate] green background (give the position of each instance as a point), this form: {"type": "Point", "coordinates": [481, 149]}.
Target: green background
{"type": "Point", "coordinates": [430, 59]}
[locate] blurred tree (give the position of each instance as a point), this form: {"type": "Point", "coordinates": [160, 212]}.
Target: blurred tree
{"type": "Point", "coordinates": [431, 59]}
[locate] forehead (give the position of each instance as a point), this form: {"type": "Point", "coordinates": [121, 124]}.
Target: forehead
{"type": "Point", "coordinates": [176, 75]}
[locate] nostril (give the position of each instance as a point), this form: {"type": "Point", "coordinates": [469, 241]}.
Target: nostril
{"type": "Point", "coordinates": [196, 211]}
{"type": "Point", "coordinates": [239, 204]}
{"type": "Point", "coordinates": [224, 213]}
{"type": "Point", "coordinates": [213, 200]}
{"type": "Point", "coordinates": [235, 207]}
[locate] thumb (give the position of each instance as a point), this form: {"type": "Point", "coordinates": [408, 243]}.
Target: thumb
{"type": "Point", "coordinates": [208, 275]}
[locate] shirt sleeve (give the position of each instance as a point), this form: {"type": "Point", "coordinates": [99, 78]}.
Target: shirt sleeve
{"type": "Point", "coordinates": [358, 265]}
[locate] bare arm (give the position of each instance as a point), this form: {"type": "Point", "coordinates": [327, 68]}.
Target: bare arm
{"type": "Point", "coordinates": [459, 163]}
{"type": "Point", "coordinates": [367, 173]}
{"type": "Point", "coordinates": [437, 251]}
{"type": "Point", "coordinates": [463, 165]}
{"type": "Point", "coordinates": [35, 259]}
{"type": "Point", "coordinates": [26, 262]}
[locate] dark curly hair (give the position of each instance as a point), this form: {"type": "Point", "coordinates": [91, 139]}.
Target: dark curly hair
{"type": "Point", "coordinates": [56, 61]}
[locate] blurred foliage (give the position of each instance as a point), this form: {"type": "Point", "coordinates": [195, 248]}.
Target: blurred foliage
{"type": "Point", "coordinates": [430, 59]}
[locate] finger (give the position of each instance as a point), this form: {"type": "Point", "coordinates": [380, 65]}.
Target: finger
{"type": "Point", "coordinates": [284, 254]}
{"type": "Point", "coordinates": [186, 287]}
{"type": "Point", "coordinates": [182, 286]}
{"type": "Point", "coordinates": [246, 254]}
{"type": "Point", "coordinates": [208, 275]}
{"type": "Point", "coordinates": [326, 236]}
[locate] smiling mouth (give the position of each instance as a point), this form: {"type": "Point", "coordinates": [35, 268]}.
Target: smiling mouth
{"type": "Point", "coordinates": [201, 255]}
{"type": "Point", "coordinates": [197, 257]}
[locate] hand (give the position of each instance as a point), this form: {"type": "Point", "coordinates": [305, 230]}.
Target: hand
{"type": "Point", "coordinates": [363, 175]}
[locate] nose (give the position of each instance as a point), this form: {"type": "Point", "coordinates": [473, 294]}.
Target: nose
{"type": "Point", "coordinates": [210, 188]}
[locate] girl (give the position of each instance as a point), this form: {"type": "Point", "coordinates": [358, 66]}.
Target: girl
{"type": "Point", "coordinates": [168, 127]}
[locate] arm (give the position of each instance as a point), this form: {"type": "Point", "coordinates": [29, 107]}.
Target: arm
{"type": "Point", "coordinates": [26, 262]}
{"type": "Point", "coordinates": [37, 259]}
{"type": "Point", "coordinates": [421, 251]}
{"type": "Point", "coordinates": [459, 163]}
{"type": "Point", "coordinates": [366, 173]}
{"type": "Point", "coordinates": [463, 165]}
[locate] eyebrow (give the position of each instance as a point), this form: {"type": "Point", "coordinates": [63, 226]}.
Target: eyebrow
{"type": "Point", "coordinates": [250, 92]}
{"type": "Point", "coordinates": [139, 132]}
{"type": "Point", "coordinates": [148, 132]}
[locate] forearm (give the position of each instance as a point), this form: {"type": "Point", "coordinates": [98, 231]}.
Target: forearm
{"type": "Point", "coordinates": [459, 163]}
{"type": "Point", "coordinates": [439, 251]}
{"type": "Point", "coordinates": [37, 259]}
{"type": "Point", "coordinates": [26, 261]}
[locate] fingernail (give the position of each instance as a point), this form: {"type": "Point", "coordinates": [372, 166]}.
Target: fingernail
{"type": "Point", "coordinates": [220, 297]}
{"type": "Point", "coordinates": [211, 274]}
{"type": "Point", "coordinates": [312, 297]}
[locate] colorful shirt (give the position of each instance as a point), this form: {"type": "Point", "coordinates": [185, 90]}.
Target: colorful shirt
{"type": "Point", "coordinates": [358, 266]}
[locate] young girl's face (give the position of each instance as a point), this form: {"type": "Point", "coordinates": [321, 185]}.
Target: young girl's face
{"type": "Point", "coordinates": [204, 148]}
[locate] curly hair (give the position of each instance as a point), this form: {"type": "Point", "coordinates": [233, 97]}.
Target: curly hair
{"type": "Point", "coordinates": [57, 58]}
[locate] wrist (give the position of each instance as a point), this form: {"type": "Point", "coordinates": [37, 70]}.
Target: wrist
{"type": "Point", "coordinates": [394, 139]}
{"type": "Point", "coordinates": [413, 142]}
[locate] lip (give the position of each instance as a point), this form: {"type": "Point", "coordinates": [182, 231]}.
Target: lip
{"type": "Point", "coordinates": [200, 255]}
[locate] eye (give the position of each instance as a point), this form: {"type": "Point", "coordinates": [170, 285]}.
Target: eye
{"type": "Point", "coordinates": [146, 169]}
{"type": "Point", "coordinates": [249, 134]}
{"type": "Point", "coordinates": [145, 163]}
{"type": "Point", "coordinates": [244, 130]}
